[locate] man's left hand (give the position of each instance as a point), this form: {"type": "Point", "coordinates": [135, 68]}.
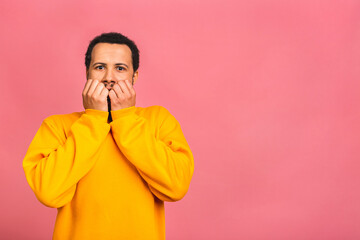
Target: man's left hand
{"type": "Point", "coordinates": [122, 95]}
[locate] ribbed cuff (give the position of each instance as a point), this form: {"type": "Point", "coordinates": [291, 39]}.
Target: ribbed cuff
{"type": "Point", "coordinates": [98, 114]}
{"type": "Point", "coordinates": [122, 112]}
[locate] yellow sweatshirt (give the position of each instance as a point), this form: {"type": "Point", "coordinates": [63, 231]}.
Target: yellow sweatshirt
{"type": "Point", "coordinates": [109, 180]}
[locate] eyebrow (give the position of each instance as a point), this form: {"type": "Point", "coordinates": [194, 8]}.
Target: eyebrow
{"type": "Point", "coordinates": [116, 64]}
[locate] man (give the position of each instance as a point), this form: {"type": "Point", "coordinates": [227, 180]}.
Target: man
{"type": "Point", "coordinates": [107, 176]}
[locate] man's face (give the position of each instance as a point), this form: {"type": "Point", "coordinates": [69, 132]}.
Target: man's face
{"type": "Point", "coordinates": [111, 63]}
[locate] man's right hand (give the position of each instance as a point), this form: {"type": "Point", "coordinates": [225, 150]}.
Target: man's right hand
{"type": "Point", "coordinates": [95, 95]}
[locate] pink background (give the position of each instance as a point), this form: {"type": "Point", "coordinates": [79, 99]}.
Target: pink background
{"type": "Point", "coordinates": [267, 94]}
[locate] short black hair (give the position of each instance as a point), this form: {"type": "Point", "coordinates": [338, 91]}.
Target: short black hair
{"type": "Point", "coordinates": [113, 37]}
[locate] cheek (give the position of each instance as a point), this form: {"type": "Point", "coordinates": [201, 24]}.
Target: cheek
{"type": "Point", "coordinates": [96, 75]}
{"type": "Point", "coordinates": [128, 75]}
{"type": "Point", "coordinates": [122, 76]}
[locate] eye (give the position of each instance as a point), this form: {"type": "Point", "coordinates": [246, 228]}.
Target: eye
{"type": "Point", "coordinates": [120, 68]}
{"type": "Point", "coordinates": [99, 67]}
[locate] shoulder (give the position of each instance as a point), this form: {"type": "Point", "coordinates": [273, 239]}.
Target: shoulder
{"type": "Point", "coordinates": [159, 115]}
{"type": "Point", "coordinates": [61, 121]}
{"type": "Point", "coordinates": [156, 111]}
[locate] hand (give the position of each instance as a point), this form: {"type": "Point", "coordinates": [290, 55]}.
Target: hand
{"type": "Point", "coordinates": [122, 95]}
{"type": "Point", "coordinates": [95, 95]}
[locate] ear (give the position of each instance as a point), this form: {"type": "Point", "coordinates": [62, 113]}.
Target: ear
{"type": "Point", "coordinates": [135, 76]}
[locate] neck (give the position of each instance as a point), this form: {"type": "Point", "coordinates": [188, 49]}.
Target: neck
{"type": "Point", "coordinates": [109, 109]}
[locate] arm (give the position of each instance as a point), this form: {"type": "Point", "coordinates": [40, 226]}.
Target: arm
{"type": "Point", "coordinates": [164, 160]}
{"type": "Point", "coordinates": [54, 164]}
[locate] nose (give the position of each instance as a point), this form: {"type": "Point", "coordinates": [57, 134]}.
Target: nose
{"type": "Point", "coordinates": [108, 79]}
{"type": "Point", "coordinates": [108, 84]}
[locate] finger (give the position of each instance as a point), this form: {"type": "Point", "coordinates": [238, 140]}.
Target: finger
{"type": "Point", "coordinates": [117, 90]}
{"type": "Point", "coordinates": [87, 86]}
{"type": "Point", "coordinates": [104, 92]}
{"type": "Point", "coordinates": [92, 87]}
{"type": "Point", "coordinates": [131, 88]}
{"type": "Point", "coordinates": [112, 95]}
{"type": "Point", "coordinates": [99, 88]}
{"type": "Point", "coordinates": [124, 88]}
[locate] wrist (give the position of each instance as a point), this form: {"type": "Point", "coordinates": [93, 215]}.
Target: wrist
{"type": "Point", "coordinates": [115, 114]}
{"type": "Point", "coordinates": [98, 114]}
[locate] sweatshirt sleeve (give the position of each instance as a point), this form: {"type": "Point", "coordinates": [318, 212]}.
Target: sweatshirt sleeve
{"type": "Point", "coordinates": [158, 150]}
{"type": "Point", "coordinates": [54, 164]}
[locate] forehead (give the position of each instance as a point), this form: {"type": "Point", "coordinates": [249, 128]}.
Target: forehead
{"type": "Point", "coordinates": [111, 52]}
